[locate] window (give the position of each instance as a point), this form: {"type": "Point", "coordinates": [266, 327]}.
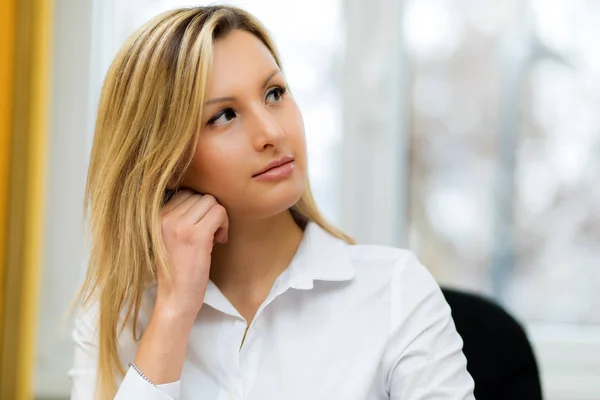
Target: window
{"type": "Point", "coordinates": [504, 175]}
{"type": "Point", "coordinates": [505, 171]}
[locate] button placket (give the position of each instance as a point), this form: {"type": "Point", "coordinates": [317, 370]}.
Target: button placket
{"type": "Point", "coordinates": [251, 354]}
{"type": "Point", "coordinates": [233, 383]}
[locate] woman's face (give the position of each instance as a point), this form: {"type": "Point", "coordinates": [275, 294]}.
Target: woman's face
{"type": "Point", "coordinates": [249, 122]}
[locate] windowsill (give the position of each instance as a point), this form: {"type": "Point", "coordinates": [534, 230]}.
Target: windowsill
{"type": "Point", "coordinates": [569, 360]}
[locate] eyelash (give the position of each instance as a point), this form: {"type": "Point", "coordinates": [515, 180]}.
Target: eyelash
{"type": "Point", "coordinates": [282, 92]}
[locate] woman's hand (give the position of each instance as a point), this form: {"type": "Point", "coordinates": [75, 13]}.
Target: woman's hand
{"type": "Point", "coordinates": [191, 224]}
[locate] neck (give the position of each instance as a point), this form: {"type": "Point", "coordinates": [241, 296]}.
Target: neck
{"type": "Point", "coordinates": [255, 254]}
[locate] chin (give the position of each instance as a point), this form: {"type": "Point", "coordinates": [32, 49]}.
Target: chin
{"type": "Point", "coordinates": [270, 203]}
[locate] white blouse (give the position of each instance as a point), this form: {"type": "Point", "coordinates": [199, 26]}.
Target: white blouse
{"type": "Point", "coordinates": [350, 322]}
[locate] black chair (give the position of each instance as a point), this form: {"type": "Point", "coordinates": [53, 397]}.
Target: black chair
{"type": "Point", "coordinates": [499, 356]}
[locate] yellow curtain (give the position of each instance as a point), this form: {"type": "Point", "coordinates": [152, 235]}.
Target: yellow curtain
{"type": "Point", "coordinates": [25, 42]}
{"type": "Point", "coordinates": [7, 36]}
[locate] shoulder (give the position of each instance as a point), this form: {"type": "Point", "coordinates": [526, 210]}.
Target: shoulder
{"type": "Point", "coordinates": [327, 257]}
{"type": "Point", "coordinates": [366, 255]}
{"type": "Point", "coordinates": [401, 266]}
{"type": "Point", "coordinates": [408, 284]}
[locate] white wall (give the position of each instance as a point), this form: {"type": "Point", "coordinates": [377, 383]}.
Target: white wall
{"type": "Point", "coordinates": [63, 249]}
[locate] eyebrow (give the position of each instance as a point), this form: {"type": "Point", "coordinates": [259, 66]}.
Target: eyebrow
{"type": "Point", "coordinates": [224, 99]}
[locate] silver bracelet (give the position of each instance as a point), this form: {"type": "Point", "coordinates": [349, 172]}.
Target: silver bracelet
{"type": "Point", "coordinates": [140, 373]}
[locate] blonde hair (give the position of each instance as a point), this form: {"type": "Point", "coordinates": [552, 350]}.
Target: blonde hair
{"type": "Point", "coordinates": [146, 129]}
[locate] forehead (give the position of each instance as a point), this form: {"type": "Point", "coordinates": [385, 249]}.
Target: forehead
{"type": "Point", "coordinates": [240, 60]}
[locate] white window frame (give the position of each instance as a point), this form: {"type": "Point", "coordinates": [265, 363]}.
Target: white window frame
{"type": "Point", "coordinates": [375, 144]}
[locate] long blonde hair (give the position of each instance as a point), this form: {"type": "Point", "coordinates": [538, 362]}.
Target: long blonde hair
{"type": "Point", "coordinates": [146, 129]}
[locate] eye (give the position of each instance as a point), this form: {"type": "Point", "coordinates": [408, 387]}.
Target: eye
{"type": "Point", "coordinates": [222, 117]}
{"type": "Point", "coordinates": [276, 94]}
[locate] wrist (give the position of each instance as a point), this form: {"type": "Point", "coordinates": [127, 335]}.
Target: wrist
{"type": "Point", "coordinates": [162, 349]}
{"type": "Point", "coordinates": [170, 315]}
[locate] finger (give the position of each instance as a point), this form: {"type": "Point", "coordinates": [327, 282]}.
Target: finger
{"type": "Point", "coordinates": [221, 236]}
{"type": "Point", "coordinates": [197, 210]}
{"type": "Point", "coordinates": [184, 206]}
{"type": "Point", "coordinates": [177, 199]}
{"type": "Point", "coordinates": [214, 220]}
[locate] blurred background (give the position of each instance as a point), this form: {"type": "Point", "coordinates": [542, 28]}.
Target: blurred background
{"type": "Point", "coordinates": [465, 130]}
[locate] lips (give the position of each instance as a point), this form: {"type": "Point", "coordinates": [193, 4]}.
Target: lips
{"type": "Point", "coordinates": [275, 164]}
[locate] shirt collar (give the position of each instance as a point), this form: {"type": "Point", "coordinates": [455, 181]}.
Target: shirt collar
{"type": "Point", "coordinates": [320, 257]}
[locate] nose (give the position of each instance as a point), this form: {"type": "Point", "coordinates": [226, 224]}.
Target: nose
{"type": "Point", "coordinates": [265, 129]}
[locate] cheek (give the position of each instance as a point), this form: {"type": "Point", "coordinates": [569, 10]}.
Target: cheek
{"type": "Point", "coordinates": [295, 132]}
{"type": "Point", "coordinates": [216, 163]}
{"type": "Point", "coordinates": [295, 115]}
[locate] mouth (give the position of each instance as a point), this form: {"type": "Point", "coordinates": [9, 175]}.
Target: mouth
{"type": "Point", "coordinates": [276, 170]}
{"type": "Point", "coordinates": [275, 164]}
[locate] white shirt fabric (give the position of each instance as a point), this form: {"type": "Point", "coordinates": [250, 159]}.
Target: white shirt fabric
{"type": "Point", "coordinates": [350, 322]}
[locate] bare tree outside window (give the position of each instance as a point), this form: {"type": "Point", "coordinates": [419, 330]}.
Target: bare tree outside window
{"type": "Point", "coordinates": [505, 133]}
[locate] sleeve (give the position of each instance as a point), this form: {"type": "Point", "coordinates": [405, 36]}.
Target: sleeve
{"type": "Point", "coordinates": [424, 352]}
{"type": "Point", "coordinates": [84, 370]}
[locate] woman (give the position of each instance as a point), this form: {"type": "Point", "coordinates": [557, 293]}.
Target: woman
{"type": "Point", "coordinates": [212, 273]}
